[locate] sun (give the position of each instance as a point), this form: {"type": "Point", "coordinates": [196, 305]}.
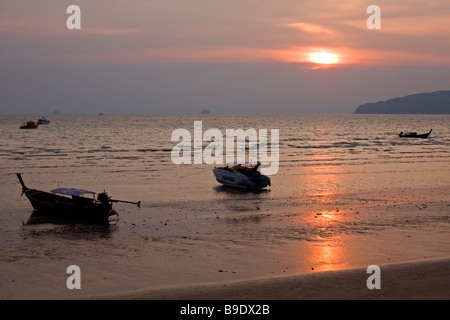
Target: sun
{"type": "Point", "coordinates": [323, 57]}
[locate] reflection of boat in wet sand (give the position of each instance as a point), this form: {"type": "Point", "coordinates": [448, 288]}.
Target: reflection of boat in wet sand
{"type": "Point", "coordinates": [241, 176]}
{"type": "Point", "coordinates": [414, 134]}
{"type": "Point", "coordinates": [38, 217]}
{"type": "Point", "coordinates": [29, 125]}
{"type": "Point", "coordinates": [70, 203]}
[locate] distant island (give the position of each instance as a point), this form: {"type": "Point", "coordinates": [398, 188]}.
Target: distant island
{"type": "Point", "coordinates": [56, 112]}
{"type": "Point", "coordinates": [421, 103]}
{"type": "Point", "coordinates": [205, 111]}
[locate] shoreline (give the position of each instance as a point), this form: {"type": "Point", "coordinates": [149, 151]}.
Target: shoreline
{"type": "Point", "coordinates": [318, 249]}
{"type": "Point", "coordinates": [414, 280]}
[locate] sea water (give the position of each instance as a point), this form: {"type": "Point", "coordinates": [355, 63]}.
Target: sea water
{"type": "Point", "coordinates": [348, 191]}
{"type": "Point", "coordinates": [131, 154]}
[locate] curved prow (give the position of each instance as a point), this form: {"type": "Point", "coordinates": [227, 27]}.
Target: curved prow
{"type": "Point", "coordinates": [19, 176]}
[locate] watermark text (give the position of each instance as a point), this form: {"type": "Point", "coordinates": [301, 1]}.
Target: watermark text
{"type": "Point", "coordinates": [190, 149]}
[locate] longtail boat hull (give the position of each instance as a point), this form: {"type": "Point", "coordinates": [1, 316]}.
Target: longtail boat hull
{"type": "Point", "coordinates": [75, 207]}
{"type": "Point", "coordinates": [414, 135]}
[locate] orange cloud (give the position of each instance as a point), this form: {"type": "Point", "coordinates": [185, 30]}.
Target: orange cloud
{"type": "Point", "coordinates": [311, 28]}
{"type": "Point", "coordinates": [355, 56]}
{"type": "Point", "coordinates": [302, 55]}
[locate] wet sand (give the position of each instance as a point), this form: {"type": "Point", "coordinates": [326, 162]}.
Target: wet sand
{"type": "Point", "coordinates": [318, 248]}
{"type": "Point", "coordinates": [417, 280]}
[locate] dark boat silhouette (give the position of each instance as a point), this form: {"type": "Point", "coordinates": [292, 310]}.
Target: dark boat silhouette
{"type": "Point", "coordinates": [43, 121]}
{"type": "Point", "coordinates": [71, 203]}
{"type": "Point", "coordinates": [29, 125]}
{"type": "Point", "coordinates": [414, 134]}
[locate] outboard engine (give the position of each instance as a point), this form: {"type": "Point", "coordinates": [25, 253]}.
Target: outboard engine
{"type": "Point", "coordinates": [103, 198]}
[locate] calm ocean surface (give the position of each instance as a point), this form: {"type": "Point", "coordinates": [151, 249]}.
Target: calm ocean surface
{"type": "Point", "coordinates": [130, 155]}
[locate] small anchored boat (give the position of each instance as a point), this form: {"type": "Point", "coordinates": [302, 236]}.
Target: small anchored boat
{"type": "Point", "coordinates": [414, 135]}
{"type": "Point", "coordinates": [241, 176]}
{"type": "Point", "coordinates": [43, 121]}
{"type": "Point", "coordinates": [72, 203]}
{"type": "Point", "coordinates": [29, 125]}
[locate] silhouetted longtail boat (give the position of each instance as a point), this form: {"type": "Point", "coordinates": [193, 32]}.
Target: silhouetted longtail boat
{"type": "Point", "coordinates": [70, 203]}
{"type": "Point", "coordinates": [414, 134]}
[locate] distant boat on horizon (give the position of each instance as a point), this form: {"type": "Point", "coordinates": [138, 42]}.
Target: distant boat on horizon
{"type": "Point", "coordinates": [29, 125]}
{"type": "Point", "coordinates": [43, 121]}
{"type": "Point", "coordinates": [414, 134]}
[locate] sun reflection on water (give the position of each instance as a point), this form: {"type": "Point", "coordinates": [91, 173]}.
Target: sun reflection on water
{"type": "Point", "coordinates": [327, 249]}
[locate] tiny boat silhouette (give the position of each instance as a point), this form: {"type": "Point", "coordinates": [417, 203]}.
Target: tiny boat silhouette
{"type": "Point", "coordinates": [71, 203]}
{"type": "Point", "coordinates": [29, 125]}
{"type": "Point", "coordinates": [241, 176]}
{"type": "Point", "coordinates": [43, 121]}
{"type": "Point", "coordinates": [414, 134]}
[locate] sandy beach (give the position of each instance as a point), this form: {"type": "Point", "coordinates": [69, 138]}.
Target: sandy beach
{"type": "Point", "coordinates": [416, 280]}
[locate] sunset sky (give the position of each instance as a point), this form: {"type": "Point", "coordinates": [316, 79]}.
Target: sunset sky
{"type": "Point", "coordinates": [229, 56]}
